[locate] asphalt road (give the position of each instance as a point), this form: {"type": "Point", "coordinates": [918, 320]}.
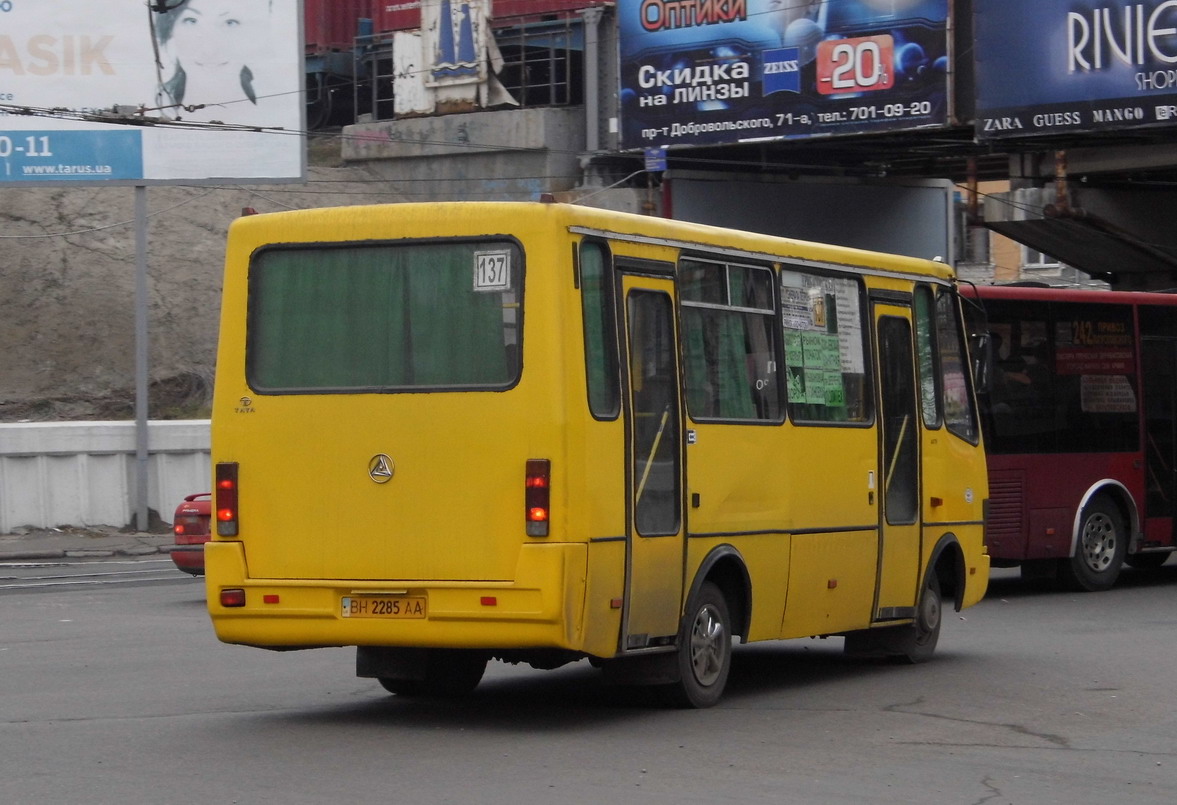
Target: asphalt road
{"type": "Point", "coordinates": [56, 575]}
{"type": "Point", "coordinates": [121, 694]}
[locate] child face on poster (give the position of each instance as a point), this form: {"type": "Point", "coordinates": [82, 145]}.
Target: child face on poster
{"type": "Point", "coordinates": [211, 48]}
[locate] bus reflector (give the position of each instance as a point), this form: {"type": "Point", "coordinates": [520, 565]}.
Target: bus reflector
{"type": "Point", "coordinates": [537, 489]}
{"type": "Point", "coordinates": [226, 499]}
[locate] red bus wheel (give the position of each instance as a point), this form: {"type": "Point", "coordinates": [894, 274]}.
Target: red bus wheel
{"type": "Point", "coordinates": [1099, 550]}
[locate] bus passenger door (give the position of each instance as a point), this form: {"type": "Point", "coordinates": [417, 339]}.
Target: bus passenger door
{"type": "Point", "coordinates": [1159, 380]}
{"type": "Point", "coordinates": [899, 424]}
{"type": "Point", "coordinates": [654, 533]}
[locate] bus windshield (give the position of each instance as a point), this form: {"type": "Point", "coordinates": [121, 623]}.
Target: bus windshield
{"type": "Point", "coordinates": [1062, 379]}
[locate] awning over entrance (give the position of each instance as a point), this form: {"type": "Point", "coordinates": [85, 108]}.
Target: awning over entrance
{"type": "Point", "coordinates": [1125, 237]}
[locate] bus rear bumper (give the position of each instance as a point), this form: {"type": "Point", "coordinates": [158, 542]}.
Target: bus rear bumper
{"type": "Point", "coordinates": [540, 608]}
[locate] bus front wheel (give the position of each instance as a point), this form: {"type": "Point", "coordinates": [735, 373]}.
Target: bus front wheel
{"type": "Point", "coordinates": [1099, 550]}
{"type": "Point", "coordinates": [704, 650]}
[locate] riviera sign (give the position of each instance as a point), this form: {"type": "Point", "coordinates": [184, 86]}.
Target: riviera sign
{"type": "Point", "coordinates": [1080, 66]}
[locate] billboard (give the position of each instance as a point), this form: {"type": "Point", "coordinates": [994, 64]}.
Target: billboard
{"type": "Point", "coordinates": [699, 72]}
{"type": "Point", "coordinates": [1066, 66]}
{"type": "Point", "coordinates": [137, 92]}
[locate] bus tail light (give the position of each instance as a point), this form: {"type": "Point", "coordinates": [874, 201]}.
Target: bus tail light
{"type": "Point", "coordinates": [232, 597]}
{"type": "Point", "coordinates": [225, 500]}
{"type": "Point", "coordinates": [538, 496]}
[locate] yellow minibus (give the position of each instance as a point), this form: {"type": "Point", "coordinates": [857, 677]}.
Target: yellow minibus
{"type": "Point", "coordinates": [447, 433]}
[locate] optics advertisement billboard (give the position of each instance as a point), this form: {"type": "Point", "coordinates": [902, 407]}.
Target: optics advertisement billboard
{"type": "Point", "coordinates": [696, 72]}
{"type": "Point", "coordinates": [194, 90]}
{"type": "Point", "coordinates": [1067, 66]}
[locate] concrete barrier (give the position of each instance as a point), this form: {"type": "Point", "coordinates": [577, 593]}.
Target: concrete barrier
{"type": "Point", "coordinates": [83, 473]}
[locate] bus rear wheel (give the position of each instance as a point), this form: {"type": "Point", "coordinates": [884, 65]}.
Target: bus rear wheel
{"type": "Point", "coordinates": [446, 673]}
{"type": "Point", "coordinates": [1099, 550]}
{"type": "Point", "coordinates": [704, 650]}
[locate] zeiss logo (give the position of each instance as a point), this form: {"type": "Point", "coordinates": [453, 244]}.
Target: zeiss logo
{"type": "Point", "coordinates": [782, 70]}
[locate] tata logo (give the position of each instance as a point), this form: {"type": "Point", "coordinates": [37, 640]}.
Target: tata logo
{"type": "Point", "coordinates": [244, 406]}
{"type": "Point", "coordinates": [782, 70]}
{"type": "Point", "coordinates": [381, 468]}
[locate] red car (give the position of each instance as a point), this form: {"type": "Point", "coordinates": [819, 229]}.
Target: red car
{"type": "Point", "coordinates": [191, 528]}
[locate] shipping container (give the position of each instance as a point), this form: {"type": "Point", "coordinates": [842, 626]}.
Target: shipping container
{"type": "Point", "coordinates": [401, 15]}
{"type": "Point", "coordinates": [332, 25]}
{"type": "Point", "coordinates": [396, 15]}
{"type": "Point", "coordinates": [332, 67]}
{"type": "Point", "coordinates": [348, 53]}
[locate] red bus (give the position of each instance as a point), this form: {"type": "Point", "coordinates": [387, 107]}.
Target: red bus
{"type": "Point", "coordinates": [1078, 391]}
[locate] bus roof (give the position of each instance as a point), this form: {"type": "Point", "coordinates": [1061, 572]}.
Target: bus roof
{"type": "Point", "coordinates": [1051, 294]}
{"type": "Point", "coordinates": [364, 221]}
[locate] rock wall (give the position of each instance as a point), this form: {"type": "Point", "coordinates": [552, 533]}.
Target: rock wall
{"type": "Point", "coordinates": [67, 288]}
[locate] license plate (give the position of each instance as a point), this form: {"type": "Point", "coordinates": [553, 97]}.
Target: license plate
{"type": "Point", "coordinates": [383, 606]}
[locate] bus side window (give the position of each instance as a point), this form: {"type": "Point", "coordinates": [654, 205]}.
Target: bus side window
{"type": "Point", "coordinates": [600, 347]}
{"type": "Point", "coordinates": [825, 352]}
{"type": "Point", "coordinates": [925, 345]}
{"type": "Point", "coordinates": [959, 411]}
{"type": "Point", "coordinates": [729, 341]}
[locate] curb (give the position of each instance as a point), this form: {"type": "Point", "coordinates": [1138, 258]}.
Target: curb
{"type": "Point", "coordinates": [25, 556]}
{"type": "Point", "coordinates": [87, 553]}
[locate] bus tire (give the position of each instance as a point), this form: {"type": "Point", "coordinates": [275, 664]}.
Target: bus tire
{"type": "Point", "coordinates": [704, 650]}
{"type": "Point", "coordinates": [447, 673]}
{"type": "Point", "coordinates": [401, 687]}
{"type": "Point", "coordinates": [914, 642]}
{"type": "Point", "coordinates": [1099, 549]}
{"type": "Point", "coordinates": [918, 641]}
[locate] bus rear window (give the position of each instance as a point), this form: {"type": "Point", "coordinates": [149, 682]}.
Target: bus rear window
{"type": "Point", "coordinates": [385, 317]}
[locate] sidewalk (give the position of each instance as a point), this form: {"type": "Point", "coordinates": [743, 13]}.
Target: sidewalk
{"type": "Point", "coordinates": [71, 542]}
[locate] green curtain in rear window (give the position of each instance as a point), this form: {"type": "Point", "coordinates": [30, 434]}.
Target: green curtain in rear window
{"type": "Point", "coordinates": [379, 317]}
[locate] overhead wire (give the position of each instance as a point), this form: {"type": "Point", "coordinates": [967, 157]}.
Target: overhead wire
{"type": "Point", "coordinates": [139, 117]}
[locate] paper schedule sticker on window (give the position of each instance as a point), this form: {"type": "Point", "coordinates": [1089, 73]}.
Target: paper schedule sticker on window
{"type": "Point", "coordinates": [492, 271]}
